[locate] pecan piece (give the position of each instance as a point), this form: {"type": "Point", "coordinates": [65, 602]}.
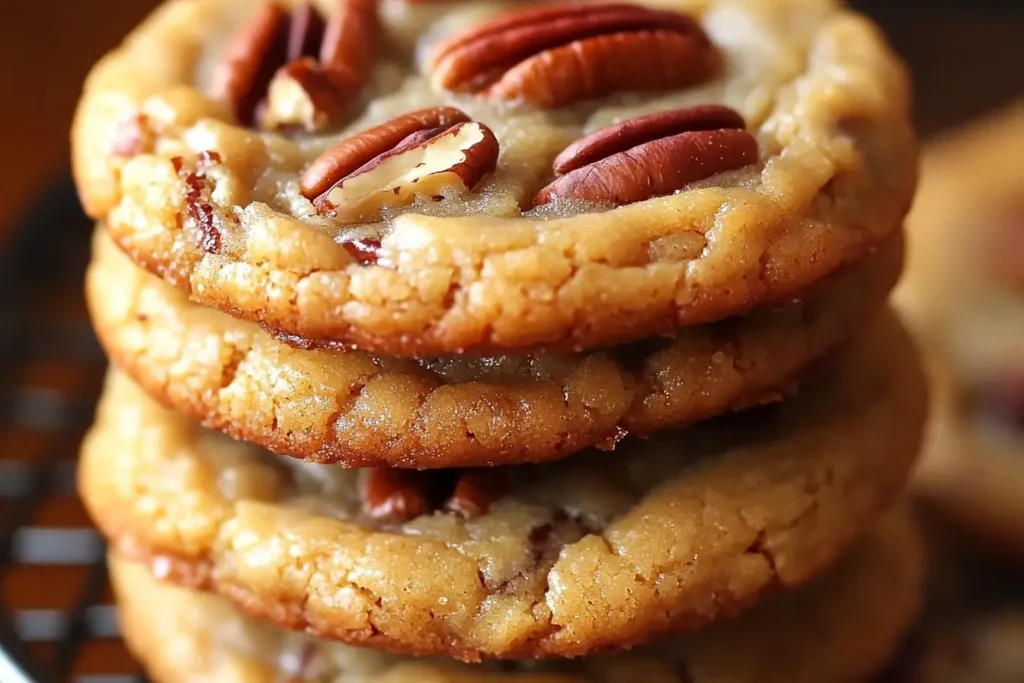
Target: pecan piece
{"type": "Point", "coordinates": [198, 199]}
{"type": "Point", "coordinates": [293, 70]}
{"type": "Point", "coordinates": [430, 152]}
{"type": "Point", "coordinates": [554, 56]}
{"type": "Point", "coordinates": [651, 156]}
{"type": "Point", "coordinates": [392, 495]}
{"type": "Point", "coordinates": [396, 496]}
{"type": "Point", "coordinates": [474, 492]}
{"type": "Point", "coordinates": [352, 153]}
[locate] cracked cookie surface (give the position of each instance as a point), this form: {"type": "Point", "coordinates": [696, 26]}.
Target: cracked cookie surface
{"type": "Point", "coordinates": [355, 408]}
{"type": "Point", "coordinates": [217, 209]}
{"type": "Point", "coordinates": [964, 294]}
{"type": "Point", "coordinates": [810, 634]}
{"type": "Point", "coordinates": [588, 553]}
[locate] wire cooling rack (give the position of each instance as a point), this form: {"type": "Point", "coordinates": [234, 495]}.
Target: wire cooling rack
{"type": "Point", "coordinates": [56, 618]}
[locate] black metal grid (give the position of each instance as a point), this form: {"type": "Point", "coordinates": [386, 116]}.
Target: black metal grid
{"type": "Point", "coordinates": [56, 618]}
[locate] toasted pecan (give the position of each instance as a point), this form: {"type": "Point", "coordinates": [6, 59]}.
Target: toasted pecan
{"type": "Point", "coordinates": [286, 70]}
{"type": "Point", "coordinates": [396, 496]}
{"type": "Point", "coordinates": [353, 152]}
{"type": "Point", "coordinates": [651, 156]}
{"type": "Point", "coordinates": [474, 493]}
{"type": "Point", "coordinates": [633, 132]}
{"type": "Point", "coordinates": [425, 153]}
{"type": "Point", "coordinates": [393, 495]}
{"type": "Point", "coordinates": [553, 56]}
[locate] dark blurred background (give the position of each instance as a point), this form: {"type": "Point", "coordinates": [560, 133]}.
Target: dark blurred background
{"type": "Point", "coordinates": [967, 56]}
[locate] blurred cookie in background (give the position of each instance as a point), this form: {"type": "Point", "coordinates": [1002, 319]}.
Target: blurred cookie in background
{"type": "Point", "coordinates": [964, 294]}
{"type": "Point", "coordinates": [984, 649]}
{"type": "Point", "coordinates": [972, 628]}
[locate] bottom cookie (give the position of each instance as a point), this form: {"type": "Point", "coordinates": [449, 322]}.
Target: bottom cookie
{"type": "Point", "coordinates": [842, 627]}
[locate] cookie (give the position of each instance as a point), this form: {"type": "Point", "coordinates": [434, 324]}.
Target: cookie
{"type": "Point", "coordinates": [840, 628]}
{"type": "Point", "coordinates": [484, 178]}
{"type": "Point", "coordinates": [964, 294]}
{"type": "Point", "coordinates": [590, 552]}
{"type": "Point", "coordinates": [358, 409]}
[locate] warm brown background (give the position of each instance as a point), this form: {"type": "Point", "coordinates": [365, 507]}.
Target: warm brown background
{"type": "Point", "coordinates": [966, 55]}
{"type": "Point", "coordinates": [46, 49]}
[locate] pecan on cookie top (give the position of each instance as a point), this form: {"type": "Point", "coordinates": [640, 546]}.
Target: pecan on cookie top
{"type": "Point", "coordinates": [466, 236]}
{"type": "Point", "coordinates": [289, 67]}
{"type": "Point", "coordinates": [559, 54]}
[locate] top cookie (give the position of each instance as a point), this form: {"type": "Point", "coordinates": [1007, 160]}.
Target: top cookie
{"type": "Point", "coordinates": [436, 178]}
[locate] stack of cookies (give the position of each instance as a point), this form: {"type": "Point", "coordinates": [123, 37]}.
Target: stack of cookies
{"type": "Point", "coordinates": [549, 337]}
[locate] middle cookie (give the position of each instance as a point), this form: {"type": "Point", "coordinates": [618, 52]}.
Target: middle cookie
{"type": "Point", "coordinates": [358, 409]}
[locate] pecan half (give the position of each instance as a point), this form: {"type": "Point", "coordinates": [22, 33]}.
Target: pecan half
{"type": "Point", "coordinates": [651, 156]}
{"type": "Point", "coordinates": [293, 70]}
{"type": "Point", "coordinates": [554, 56]}
{"type": "Point", "coordinates": [432, 152]}
{"type": "Point", "coordinates": [396, 496]}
